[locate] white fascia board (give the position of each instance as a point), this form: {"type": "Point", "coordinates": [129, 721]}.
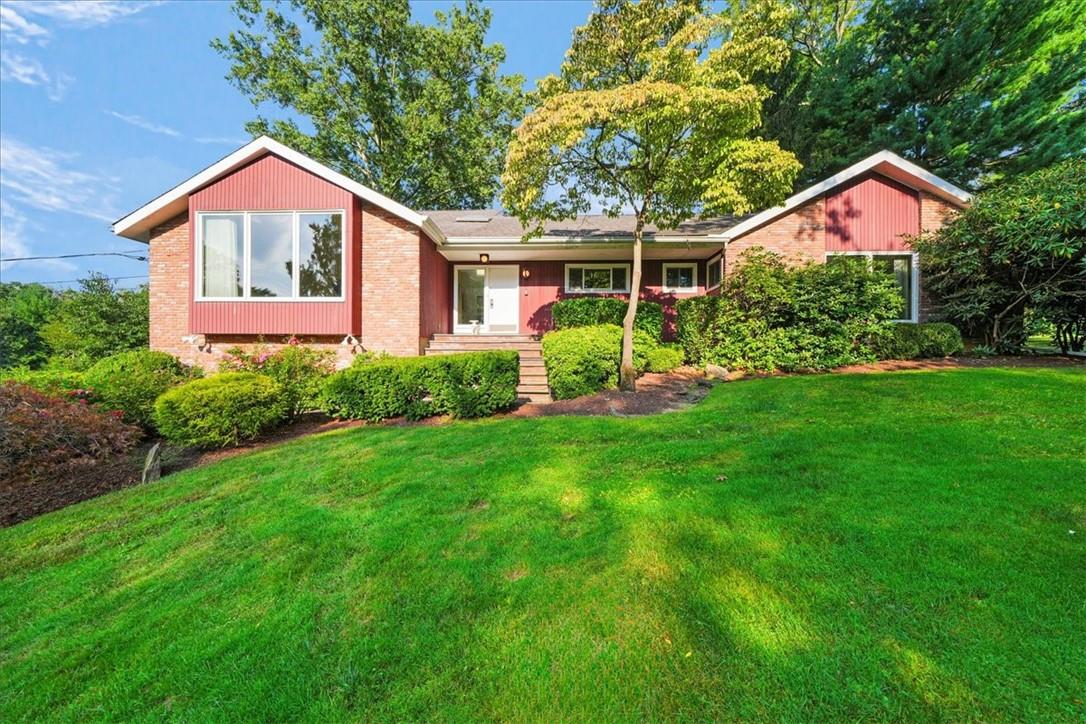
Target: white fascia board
{"type": "Point", "coordinates": [929, 181]}
{"type": "Point", "coordinates": [579, 240]}
{"type": "Point", "coordinates": [130, 225]}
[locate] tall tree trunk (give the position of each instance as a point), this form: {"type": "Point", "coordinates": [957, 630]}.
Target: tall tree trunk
{"type": "Point", "coordinates": [627, 374]}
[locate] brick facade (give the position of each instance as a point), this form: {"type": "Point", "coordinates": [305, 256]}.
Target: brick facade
{"type": "Point", "coordinates": [934, 212]}
{"type": "Point", "coordinates": [391, 286]}
{"type": "Point", "coordinates": [798, 236]}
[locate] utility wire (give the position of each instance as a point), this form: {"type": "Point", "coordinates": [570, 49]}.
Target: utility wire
{"type": "Point", "coordinates": [73, 281]}
{"type": "Point", "coordinates": [126, 255]}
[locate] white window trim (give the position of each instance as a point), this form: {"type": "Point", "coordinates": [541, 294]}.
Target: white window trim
{"type": "Point", "coordinates": [598, 291]}
{"type": "Point", "coordinates": [680, 265]}
{"type": "Point", "coordinates": [247, 215]}
{"type": "Point", "coordinates": [914, 294]}
{"type": "Point", "coordinates": [717, 259]}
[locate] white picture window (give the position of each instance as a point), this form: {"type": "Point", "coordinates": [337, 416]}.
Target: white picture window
{"type": "Point", "coordinates": [681, 277]}
{"type": "Point", "coordinates": [714, 272]}
{"type": "Point", "coordinates": [904, 268]}
{"type": "Point", "coordinates": [588, 278]}
{"type": "Point", "coordinates": [278, 255]}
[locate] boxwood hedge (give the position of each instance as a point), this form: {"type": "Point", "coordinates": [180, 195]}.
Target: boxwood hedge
{"type": "Point", "coordinates": [585, 360]}
{"type": "Point", "coordinates": [473, 384]}
{"type": "Point", "coordinates": [593, 311]}
{"type": "Point", "coordinates": [221, 410]}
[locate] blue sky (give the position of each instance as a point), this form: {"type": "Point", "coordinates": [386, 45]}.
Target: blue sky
{"type": "Point", "coordinates": [104, 105]}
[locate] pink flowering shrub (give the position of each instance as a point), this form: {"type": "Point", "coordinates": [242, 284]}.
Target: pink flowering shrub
{"type": "Point", "coordinates": [45, 436]}
{"type": "Point", "coordinates": [299, 370]}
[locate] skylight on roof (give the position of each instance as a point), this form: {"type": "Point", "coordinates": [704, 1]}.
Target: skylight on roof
{"type": "Point", "coordinates": [473, 219]}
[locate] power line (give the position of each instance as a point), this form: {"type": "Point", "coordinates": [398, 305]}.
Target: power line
{"type": "Point", "coordinates": [73, 281]}
{"type": "Point", "coordinates": [126, 255]}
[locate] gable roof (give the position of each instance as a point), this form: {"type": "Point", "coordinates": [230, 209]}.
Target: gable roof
{"type": "Point", "coordinates": [884, 162]}
{"type": "Point", "coordinates": [496, 225]}
{"type": "Point", "coordinates": [138, 224]}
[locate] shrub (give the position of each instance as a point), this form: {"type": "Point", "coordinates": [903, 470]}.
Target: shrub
{"type": "Point", "coordinates": [42, 435]}
{"type": "Point", "coordinates": [770, 316]}
{"type": "Point", "coordinates": [221, 410]}
{"type": "Point", "coordinates": [58, 383]}
{"type": "Point", "coordinates": [939, 339]}
{"type": "Point", "coordinates": [24, 310]}
{"type": "Point", "coordinates": [299, 370]}
{"type": "Point", "coordinates": [473, 384]}
{"type": "Point", "coordinates": [584, 360]}
{"type": "Point", "coordinates": [899, 342]}
{"type": "Point", "coordinates": [594, 311]}
{"type": "Point", "coordinates": [910, 341]}
{"type": "Point", "coordinates": [664, 358]}
{"type": "Point", "coordinates": [132, 381]}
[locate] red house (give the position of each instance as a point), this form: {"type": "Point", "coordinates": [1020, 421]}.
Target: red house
{"type": "Point", "coordinates": [268, 243]}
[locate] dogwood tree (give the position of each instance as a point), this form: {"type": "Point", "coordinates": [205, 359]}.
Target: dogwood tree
{"type": "Point", "coordinates": [653, 114]}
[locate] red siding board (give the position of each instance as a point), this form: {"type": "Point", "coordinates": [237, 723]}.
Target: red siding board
{"type": "Point", "coordinates": [873, 213]}
{"type": "Point", "coordinates": [435, 290]}
{"type": "Point", "coordinates": [546, 284]}
{"type": "Point", "coordinates": [271, 183]}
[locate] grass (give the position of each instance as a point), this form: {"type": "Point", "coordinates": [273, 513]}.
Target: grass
{"type": "Point", "coordinates": [806, 548]}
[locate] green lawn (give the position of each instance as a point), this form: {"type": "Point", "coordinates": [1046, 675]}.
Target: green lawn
{"type": "Point", "coordinates": [803, 548]}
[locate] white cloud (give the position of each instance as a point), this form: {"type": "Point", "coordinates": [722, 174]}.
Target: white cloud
{"type": "Point", "coordinates": [18, 29]}
{"type": "Point", "coordinates": [42, 178]}
{"type": "Point", "coordinates": [13, 242]}
{"type": "Point", "coordinates": [28, 71]}
{"type": "Point", "coordinates": [141, 122]}
{"type": "Point", "coordinates": [82, 13]}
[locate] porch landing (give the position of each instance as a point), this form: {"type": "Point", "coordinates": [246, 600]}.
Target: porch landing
{"type": "Point", "coordinates": [533, 375]}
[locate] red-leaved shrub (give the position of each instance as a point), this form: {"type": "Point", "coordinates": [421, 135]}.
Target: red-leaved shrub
{"type": "Point", "coordinates": [42, 436]}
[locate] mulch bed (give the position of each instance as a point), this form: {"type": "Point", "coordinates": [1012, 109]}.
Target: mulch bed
{"type": "Point", "coordinates": [21, 499]}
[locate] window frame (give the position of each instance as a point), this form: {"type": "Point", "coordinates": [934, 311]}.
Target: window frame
{"type": "Point", "coordinates": [693, 289]}
{"type": "Point", "coordinates": [246, 261]}
{"type": "Point", "coordinates": [914, 277]}
{"type": "Point", "coordinates": [717, 259]}
{"type": "Point", "coordinates": [595, 265]}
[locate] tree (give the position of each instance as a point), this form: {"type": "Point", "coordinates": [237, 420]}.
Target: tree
{"type": "Point", "coordinates": [417, 112]}
{"type": "Point", "coordinates": [974, 90]}
{"type": "Point", "coordinates": [95, 321]}
{"type": "Point", "coordinates": [652, 113]}
{"type": "Point", "coordinates": [1019, 247]}
{"type": "Point", "coordinates": [24, 309]}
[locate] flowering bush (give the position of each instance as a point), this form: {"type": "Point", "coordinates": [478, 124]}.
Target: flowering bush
{"type": "Point", "coordinates": [42, 435]}
{"type": "Point", "coordinates": [299, 370]}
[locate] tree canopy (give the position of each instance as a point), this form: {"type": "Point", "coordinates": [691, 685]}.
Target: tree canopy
{"type": "Point", "coordinates": [418, 112]}
{"type": "Point", "coordinates": [653, 113]}
{"type": "Point", "coordinates": [974, 90]}
{"type": "Point", "coordinates": [1019, 247]}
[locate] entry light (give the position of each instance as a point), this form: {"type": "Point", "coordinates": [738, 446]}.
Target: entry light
{"type": "Point", "coordinates": [484, 258]}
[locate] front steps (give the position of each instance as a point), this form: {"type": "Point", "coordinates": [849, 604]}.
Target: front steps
{"type": "Point", "coordinates": [533, 375]}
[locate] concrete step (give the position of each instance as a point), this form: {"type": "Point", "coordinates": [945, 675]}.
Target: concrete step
{"type": "Point", "coordinates": [458, 347]}
{"type": "Point", "coordinates": [484, 338]}
{"type": "Point", "coordinates": [523, 389]}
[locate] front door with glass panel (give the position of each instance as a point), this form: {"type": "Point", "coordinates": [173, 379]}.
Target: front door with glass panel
{"type": "Point", "coordinates": [486, 299]}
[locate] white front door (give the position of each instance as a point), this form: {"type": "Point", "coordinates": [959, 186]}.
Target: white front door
{"type": "Point", "coordinates": [486, 299]}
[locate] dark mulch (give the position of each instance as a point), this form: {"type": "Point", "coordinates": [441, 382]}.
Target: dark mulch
{"type": "Point", "coordinates": [655, 393]}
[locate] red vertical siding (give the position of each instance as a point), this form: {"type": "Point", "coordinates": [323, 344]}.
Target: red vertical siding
{"type": "Point", "coordinates": [267, 184]}
{"type": "Point", "coordinates": [546, 284]}
{"type": "Point", "coordinates": [872, 213]}
{"type": "Point", "coordinates": [435, 290]}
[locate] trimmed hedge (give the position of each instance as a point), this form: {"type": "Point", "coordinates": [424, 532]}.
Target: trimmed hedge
{"type": "Point", "coordinates": [585, 360]}
{"type": "Point", "coordinates": [664, 358]}
{"type": "Point", "coordinates": [221, 410]}
{"type": "Point", "coordinates": [132, 381]}
{"type": "Point", "coordinates": [910, 341]}
{"type": "Point", "coordinates": [594, 311]}
{"type": "Point", "coordinates": [473, 384]}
